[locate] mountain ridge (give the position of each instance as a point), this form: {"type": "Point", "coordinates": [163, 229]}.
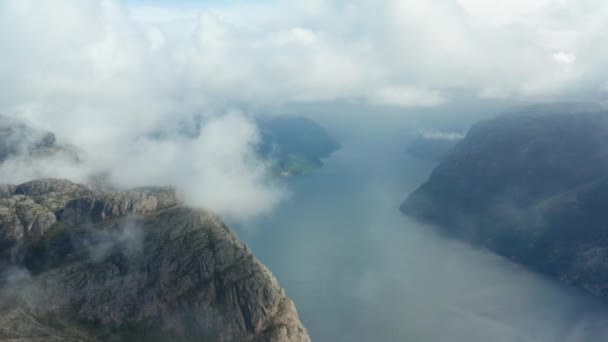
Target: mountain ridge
{"type": "Point", "coordinates": [530, 186]}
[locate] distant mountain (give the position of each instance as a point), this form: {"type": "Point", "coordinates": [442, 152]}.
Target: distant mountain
{"type": "Point", "coordinates": [17, 139]}
{"type": "Point", "coordinates": [86, 264]}
{"type": "Point", "coordinates": [531, 185]}
{"type": "Point", "coordinates": [297, 144]}
{"type": "Point", "coordinates": [291, 144]}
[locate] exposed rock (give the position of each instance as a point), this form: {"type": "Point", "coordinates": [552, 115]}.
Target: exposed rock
{"type": "Point", "coordinates": [101, 207]}
{"type": "Point", "coordinates": [532, 186]}
{"type": "Point", "coordinates": [51, 186]}
{"type": "Point", "coordinates": [165, 196]}
{"type": "Point", "coordinates": [135, 266]}
{"type": "Point", "coordinates": [11, 232]}
{"type": "Point", "coordinates": [36, 219]}
{"type": "Point", "coordinates": [17, 325]}
{"type": "Point", "coordinates": [17, 139]}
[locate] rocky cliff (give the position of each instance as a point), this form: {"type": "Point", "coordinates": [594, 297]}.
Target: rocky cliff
{"type": "Point", "coordinates": [532, 186]}
{"type": "Point", "coordinates": [84, 264]}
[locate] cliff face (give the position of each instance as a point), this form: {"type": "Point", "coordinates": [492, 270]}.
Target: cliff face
{"type": "Point", "coordinates": [532, 186]}
{"type": "Point", "coordinates": [84, 264]}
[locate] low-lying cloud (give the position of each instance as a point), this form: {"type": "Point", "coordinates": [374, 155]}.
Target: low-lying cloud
{"type": "Point", "coordinates": [217, 168]}
{"type": "Point", "coordinates": [440, 135]}
{"type": "Point", "coordinates": [103, 75]}
{"type": "Point", "coordinates": [127, 239]}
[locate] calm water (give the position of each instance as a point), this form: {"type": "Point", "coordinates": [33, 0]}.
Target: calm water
{"type": "Point", "coordinates": [358, 270]}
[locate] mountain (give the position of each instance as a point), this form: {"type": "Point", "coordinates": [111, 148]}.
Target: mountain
{"type": "Point", "coordinates": [292, 145]}
{"type": "Point", "coordinates": [297, 144]}
{"type": "Point", "coordinates": [79, 263]}
{"type": "Point", "coordinates": [531, 185]}
{"type": "Point", "coordinates": [17, 139]}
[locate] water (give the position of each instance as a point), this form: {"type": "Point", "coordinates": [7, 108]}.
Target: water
{"type": "Point", "coordinates": [359, 270]}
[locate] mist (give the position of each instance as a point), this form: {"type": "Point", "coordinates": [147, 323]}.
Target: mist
{"type": "Point", "coordinates": [105, 76]}
{"type": "Point", "coordinates": [359, 270]}
{"type": "Point", "coordinates": [122, 84]}
{"type": "Point", "coordinates": [127, 239]}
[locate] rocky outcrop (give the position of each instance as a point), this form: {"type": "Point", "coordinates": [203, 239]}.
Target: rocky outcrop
{"type": "Point", "coordinates": [96, 208]}
{"type": "Point", "coordinates": [18, 139]}
{"type": "Point", "coordinates": [51, 187]}
{"type": "Point", "coordinates": [531, 186]}
{"type": "Point", "coordinates": [132, 265]}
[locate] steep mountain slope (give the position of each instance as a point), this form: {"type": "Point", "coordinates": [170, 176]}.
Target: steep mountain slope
{"type": "Point", "coordinates": [87, 264]}
{"type": "Point", "coordinates": [532, 186]}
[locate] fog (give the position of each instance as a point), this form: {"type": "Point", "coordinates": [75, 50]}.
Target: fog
{"type": "Point", "coordinates": [108, 76]}
{"type": "Point", "coordinates": [105, 75]}
{"type": "Point", "coordinates": [359, 270]}
{"type": "Point", "coordinates": [126, 238]}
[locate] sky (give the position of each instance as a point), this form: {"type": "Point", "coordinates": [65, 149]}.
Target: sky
{"type": "Point", "coordinates": [103, 74]}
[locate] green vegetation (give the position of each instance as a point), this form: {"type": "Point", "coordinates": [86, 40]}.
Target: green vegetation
{"type": "Point", "coordinates": [296, 144]}
{"type": "Point", "coordinates": [49, 250]}
{"type": "Point", "coordinates": [297, 164]}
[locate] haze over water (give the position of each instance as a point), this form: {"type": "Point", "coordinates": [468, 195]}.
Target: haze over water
{"type": "Point", "coordinates": [359, 270]}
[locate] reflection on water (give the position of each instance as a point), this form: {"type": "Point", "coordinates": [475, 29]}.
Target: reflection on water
{"type": "Point", "coordinates": [358, 270]}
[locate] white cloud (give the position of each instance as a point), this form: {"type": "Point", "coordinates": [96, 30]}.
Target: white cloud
{"type": "Point", "coordinates": [298, 36]}
{"type": "Point", "coordinates": [564, 57]}
{"type": "Point", "coordinates": [493, 92]}
{"type": "Point", "coordinates": [407, 97]}
{"type": "Point", "coordinates": [101, 75]}
{"type": "Point", "coordinates": [299, 50]}
{"type": "Point", "coordinates": [439, 135]}
{"type": "Point", "coordinates": [218, 169]}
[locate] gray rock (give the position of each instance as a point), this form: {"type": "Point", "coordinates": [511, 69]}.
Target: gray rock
{"type": "Point", "coordinates": [11, 233]}
{"type": "Point", "coordinates": [135, 266]}
{"type": "Point", "coordinates": [96, 208]}
{"type": "Point", "coordinates": [45, 187]}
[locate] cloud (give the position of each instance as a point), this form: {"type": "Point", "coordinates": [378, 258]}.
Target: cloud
{"type": "Point", "coordinates": [218, 169]}
{"type": "Point", "coordinates": [102, 82]}
{"type": "Point", "coordinates": [13, 275]}
{"type": "Point", "coordinates": [439, 135]}
{"type": "Point", "coordinates": [407, 97]}
{"type": "Point", "coordinates": [435, 45]}
{"type": "Point", "coordinates": [127, 238]}
{"type": "Point", "coordinates": [103, 75]}
{"type": "Point", "coordinates": [297, 51]}
{"type": "Point", "coordinates": [564, 57]}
